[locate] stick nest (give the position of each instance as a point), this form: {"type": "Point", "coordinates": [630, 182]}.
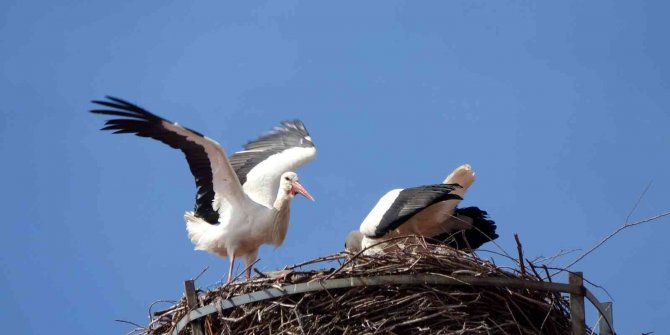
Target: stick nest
{"type": "Point", "coordinates": [388, 309]}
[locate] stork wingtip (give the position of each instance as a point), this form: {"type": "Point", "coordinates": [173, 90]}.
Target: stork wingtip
{"type": "Point", "coordinates": [462, 175]}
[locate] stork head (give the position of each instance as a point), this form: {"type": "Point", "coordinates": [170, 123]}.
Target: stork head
{"type": "Point", "coordinates": [354, 242]}
{"type": "Point", "coordinates": [289, 184]}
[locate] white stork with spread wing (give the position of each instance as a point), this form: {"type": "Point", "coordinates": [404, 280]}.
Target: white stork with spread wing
{"type": "Point", "coordinates": [240, 203]}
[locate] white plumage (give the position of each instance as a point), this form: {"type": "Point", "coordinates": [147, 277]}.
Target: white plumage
{"type": "Point", "coordinates": [231, 218]}
{"type": "Point", "coordinates": [431, 211]}
{"type": "Point", "coordinates": [264, 178]}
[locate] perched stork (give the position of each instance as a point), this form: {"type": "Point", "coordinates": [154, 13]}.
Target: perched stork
{"type": "Point", "coordinates": [430, 211]}
{"type": "Point", "coordinates": [240, 203]}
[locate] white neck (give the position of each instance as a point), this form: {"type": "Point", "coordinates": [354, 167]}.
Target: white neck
{"type": "Point", "coordinates": [282, 215]}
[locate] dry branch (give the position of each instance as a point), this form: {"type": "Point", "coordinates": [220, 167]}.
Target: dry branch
{"type": "Point", "coordinates": [622, 227]}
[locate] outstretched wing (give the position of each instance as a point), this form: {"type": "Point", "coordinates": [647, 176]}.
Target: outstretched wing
{"type": "Point", "coordinates": [215, 179]}
{"type": "Point", "coordinates": [398, 206]}
{"type": "Point", "coordinates": [262, 162]}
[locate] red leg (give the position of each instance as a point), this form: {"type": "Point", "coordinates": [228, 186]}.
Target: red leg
{"type": "Point", "coordinates": [230, 269]}
{"type": "Point", "coordinates": [249, 273]}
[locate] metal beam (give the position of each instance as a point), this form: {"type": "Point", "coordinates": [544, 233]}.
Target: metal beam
{"type": "Point", "coordinates": [606, 321]}
{"type": "Point", "coordinates": [192, 301]}
{"type": "Point", "coordinates": [577, 314]}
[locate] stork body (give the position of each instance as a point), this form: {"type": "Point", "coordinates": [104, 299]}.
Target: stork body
{"type": "Point", "coordinates": [241, 203]}
{"type": "Point", "coordinates": [430, 211]}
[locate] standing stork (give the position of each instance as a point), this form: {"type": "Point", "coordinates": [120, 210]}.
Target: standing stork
{"type": "Point", "coordinates": [240, 203]}
{"type": "Point", "coordinates": [430, 211]}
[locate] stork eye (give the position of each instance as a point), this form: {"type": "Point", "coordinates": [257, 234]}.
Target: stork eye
{"type": "Point", "coordinates": [287, 178]}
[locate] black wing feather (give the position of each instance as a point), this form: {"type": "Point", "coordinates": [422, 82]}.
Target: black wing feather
{"type": "Point", "coordinates": [483, 230]}
{"type": "Point", "coordinates": [288, 134]}
{"type": "Point", "coordinates": [145, 124]}
{"type": "Point", "coordinates": [411, 201]}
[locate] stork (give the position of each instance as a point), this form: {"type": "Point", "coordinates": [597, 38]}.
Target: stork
{"type": "Point", "coordinates": [430, 211]}
{"type": "Point", "coordinates": [241, 202]}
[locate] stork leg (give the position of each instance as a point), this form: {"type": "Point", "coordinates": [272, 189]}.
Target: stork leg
{"type": "Point", "coordinates": [249, 260]}
{"type": "Point", "coordinates": [230, 268]}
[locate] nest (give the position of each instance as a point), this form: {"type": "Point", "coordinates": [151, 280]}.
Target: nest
{"type": "Point", "coordinates": [385, 309]}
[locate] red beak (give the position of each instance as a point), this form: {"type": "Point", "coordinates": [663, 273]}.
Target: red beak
{"type": "Point", "coordinates": [298, 188]}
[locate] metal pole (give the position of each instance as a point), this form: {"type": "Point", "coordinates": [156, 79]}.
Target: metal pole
{"type": "Point", "coordinates": [577, 314]}
{"type": "Point", "coordinates": [606, 319]}
{"type": "Point", "coordinates": [192, 301]}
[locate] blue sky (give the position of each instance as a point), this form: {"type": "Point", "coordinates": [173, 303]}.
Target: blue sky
{"type": "Point", "coordinates": [562, 108]}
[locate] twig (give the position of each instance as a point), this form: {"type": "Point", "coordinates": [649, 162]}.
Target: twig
{"type": "Point", "coordinates": [546, 270]}
{"type": "Point", "coordinates": [263, 275]}
{"type": "Point", "coordinates": [638, 201]}
{"type": "Point", "coordinates": [201, 273]}
{"type": "Point", "coordinates": [546, 317]}
{"type": "Point", "coordinates": [131, 323]}
{"type": "Point", "coordinates": [519, 249]}
{"type": "Point", "coordinates": [299, 318]}
{"type": "Point", "coordinates": [600, 287]}
{"type": "Point", "coordinates": [550, 259]}
{"type": "Point", "coordinates": [627, 225]}
{"type": "Point", "coordinates": [151, 315]}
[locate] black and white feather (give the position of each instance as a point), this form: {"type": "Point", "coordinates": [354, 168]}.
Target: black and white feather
{"type": "Point", "coordinates": [258, 167]}
{"type": "Point", "coordinates": [399, 205]}
{"type": "Point", "coordinates": [238, 205]}
{"type": "Point", "coordinates": [482, 230]}
{"type": "Point", "coordinates": [430, 211]}
{"type": "Point", "coordinates": [201, 152]}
